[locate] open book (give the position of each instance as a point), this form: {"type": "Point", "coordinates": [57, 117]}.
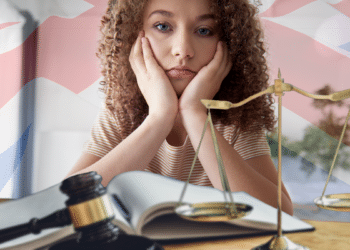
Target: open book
{"type": "Point", "coordinates": [144, 204]}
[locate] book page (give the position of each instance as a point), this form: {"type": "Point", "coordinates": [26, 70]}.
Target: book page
{"type": "Point", "coordinates": [120, 219]}
{"type": "Point", "coordinates": [143, 193]}
{"type": "Point", "coordinates": [32, 241]}
{"type": "Point", "coordinates": [38, 205]}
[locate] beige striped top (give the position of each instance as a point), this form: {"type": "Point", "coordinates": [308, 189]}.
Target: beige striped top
{"type": "Point", "coordinates": [174, 161]}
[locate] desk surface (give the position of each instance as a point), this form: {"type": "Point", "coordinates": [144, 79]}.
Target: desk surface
{"type": "Point", "coordinates": [328, 235]}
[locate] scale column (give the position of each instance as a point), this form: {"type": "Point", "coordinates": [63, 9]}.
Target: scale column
{"type": "Point", "coordinates": [279, 93]}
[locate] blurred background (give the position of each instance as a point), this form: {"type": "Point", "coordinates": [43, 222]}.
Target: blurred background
{"type": "Point", "coordinates": [49, 92]}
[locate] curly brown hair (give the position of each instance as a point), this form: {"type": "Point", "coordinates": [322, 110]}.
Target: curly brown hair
{"type": "Point", "coordinates": [242, 32]}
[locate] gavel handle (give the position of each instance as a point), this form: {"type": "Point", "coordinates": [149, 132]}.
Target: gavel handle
{"type": "Point", "coordinates": [59, 218]}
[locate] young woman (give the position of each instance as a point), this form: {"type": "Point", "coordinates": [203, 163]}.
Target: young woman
{"type": "Point", "coordinates": [159, 59]}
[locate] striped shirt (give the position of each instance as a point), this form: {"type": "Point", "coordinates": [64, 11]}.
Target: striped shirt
{"type": "Point", "coordinates": [174, 161]}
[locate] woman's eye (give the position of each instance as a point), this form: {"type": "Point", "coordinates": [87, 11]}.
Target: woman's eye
{"type": "Point", "coordinates": [204, 32]}
{"type": "Point", "coordinates": [162, 27]}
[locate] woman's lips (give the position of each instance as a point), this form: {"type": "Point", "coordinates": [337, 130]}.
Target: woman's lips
{"type": "Point", "coordinates": [180, 73]}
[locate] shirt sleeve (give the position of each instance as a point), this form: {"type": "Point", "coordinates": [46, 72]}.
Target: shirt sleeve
{"type": "Point", "coordinates": [105, 134]}
{"type": "Point", "coordinates": [252, 143]}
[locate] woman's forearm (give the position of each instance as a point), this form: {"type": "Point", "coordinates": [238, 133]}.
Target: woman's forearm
{"type": "Point", "coordinates": [133, 153]}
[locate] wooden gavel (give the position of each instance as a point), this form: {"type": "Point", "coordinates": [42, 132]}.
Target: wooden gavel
{"type": "Point", "coordinates": [91, 213]}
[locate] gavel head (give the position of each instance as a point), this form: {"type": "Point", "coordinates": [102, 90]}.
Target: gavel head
{"type": "Point", "coordinates": [83, 187]}
{"type": "Point", "coordinates": [90, 209]}
{"type": "Point", "coordinates": [91, 213]}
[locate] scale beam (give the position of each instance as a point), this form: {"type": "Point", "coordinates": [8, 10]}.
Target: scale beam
{"type": "Point", "coordinates": [219, 212]}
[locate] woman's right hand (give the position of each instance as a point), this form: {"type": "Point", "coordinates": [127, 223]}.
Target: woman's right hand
{"type": "Point", "coordinates": [152, 79]}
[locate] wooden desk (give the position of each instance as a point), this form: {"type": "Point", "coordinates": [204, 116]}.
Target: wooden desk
{"type": "Point", "coordinates": [328, 235]}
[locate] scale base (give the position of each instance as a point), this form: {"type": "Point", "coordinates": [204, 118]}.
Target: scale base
{"type": "Point", "coordinates": [280, 243]}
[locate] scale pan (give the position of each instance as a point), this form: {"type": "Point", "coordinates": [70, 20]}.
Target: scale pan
{"type": "Point", "coordinates": [335, 202]}
{"type": "Point", "coordinates": [213, 211]}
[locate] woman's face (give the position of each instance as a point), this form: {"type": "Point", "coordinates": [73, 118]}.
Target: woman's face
{"type": "Point", "coordinates": [183, 36]}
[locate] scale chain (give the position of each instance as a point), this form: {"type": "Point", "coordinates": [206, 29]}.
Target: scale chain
{"type": "Point", "coordinates": [194, 161]}
{"type": "Point", "coordinates": [336, 152]}
{"type": "Point", "coordinates": [223, 177]}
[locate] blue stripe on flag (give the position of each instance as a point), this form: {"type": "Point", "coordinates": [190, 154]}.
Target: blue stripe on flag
{"type": "Point", "coordinates": [345, 46]}
{"type": "Point", "coordinates": [11, 159]}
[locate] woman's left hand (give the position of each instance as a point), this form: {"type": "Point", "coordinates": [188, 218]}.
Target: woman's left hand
{"type": "Point", "coordinates": [207, 82]}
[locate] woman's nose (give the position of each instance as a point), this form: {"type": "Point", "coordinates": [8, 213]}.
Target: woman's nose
{"type": "Point", "coordinates": [183, 46]}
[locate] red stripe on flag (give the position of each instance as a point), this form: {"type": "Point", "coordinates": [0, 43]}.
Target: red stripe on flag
{"type": "Point", "coordinates": [306, 64]}
{"type": "Point", "coordinates": [10, 74]}
{"type": "Point", "coordinates": [284, 7]}
{"type": "Point", "coordinates": [343, 7]}
{"type": "Point", "coordinates": [66, 54]}
{"type": "Point", "coordinates": [5, 25]}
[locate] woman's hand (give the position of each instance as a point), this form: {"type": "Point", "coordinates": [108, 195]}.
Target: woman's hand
{"type": "Point", "coordinates": [207, 82]}
{"type": "Point", "coordinates": [151, 79]}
